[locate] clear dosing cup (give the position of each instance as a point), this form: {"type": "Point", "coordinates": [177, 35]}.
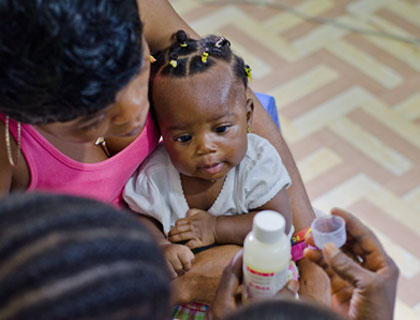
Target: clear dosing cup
{"type": "Point", "coordinates": [329, 228]}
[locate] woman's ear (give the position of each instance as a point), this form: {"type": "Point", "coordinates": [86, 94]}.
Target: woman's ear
{"type": "Point", "coordinates": [249, 111]}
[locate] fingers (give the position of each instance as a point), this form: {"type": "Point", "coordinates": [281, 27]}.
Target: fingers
{"type": "Point", "coordinates": [363, 242]}
{"type": "Point", "coordinates": [344, 266]}
{"type": "Point", "coordinates": [182, 221]}
{"type": "Point", "coordinates": [179, 258]}
{"type": "Point", "coordinates": [186, 257]}
{"type": "Point", "coordinates": [172, 273]}
{"type": "Point", "coordinates": [194, 243]}
{"type": "Point", "coordinates": [177, 265]}
{"type": "Point", "coordinates": [289, 291]}
{"type": "Point", "coordinates": [293, 286]}
{"type": "Point", "coordinates": [337, 283]}
{"type": "Point", "coordinates": [182, 236]}
{"type": "Point", "coordinates": [236, 264]}
{"type": "Point", "coordinates": [179, 228]}
{"type": "Point", "coordinates": [356, 230]}
{"type": "Point", "coordinates": [309, 239]}
{"type": "Point", "coordinates": [232, 274]}
{"type": "Point", "coordinates": [224, 301]}
{"type": "Point", "coordinates": [181, 232]}
{"type": "Point", "coordinates": [190, 213]}
{"type": "Point", "coordinates": [193, 212]}
{"type": "Point", "coordinates": [231, 277]}
{"type": "Point", "coordinates": [316, 257]}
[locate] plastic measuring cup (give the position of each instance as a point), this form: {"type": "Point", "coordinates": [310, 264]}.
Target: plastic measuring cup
{"type": "Point", "coordinates": [329, 228]}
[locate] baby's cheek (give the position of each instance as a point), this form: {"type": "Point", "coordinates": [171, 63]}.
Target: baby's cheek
{"type": "Point", "coordinates": [239, 150]}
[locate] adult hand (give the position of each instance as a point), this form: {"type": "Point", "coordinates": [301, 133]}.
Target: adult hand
{"type": "Point", "coordinates": [179, 258]}
{"type": "Point", "coordinates": [228, 294]}
{"type": "Point", "coordinates": [314, 284]}
{"type": "Point", "coordinates": [198, 228]}
{"type": "Point", "coordinates": [364, 280]}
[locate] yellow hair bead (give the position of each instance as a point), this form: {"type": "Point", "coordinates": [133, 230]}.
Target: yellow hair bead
{"type": "Point", "coordinates": [173, 63]}
{"type": "Point", "coordinates": [152, 59]}
{"type": "Point", "coordinates": [248, 73]}
{"type": "Point", "coordinates": [204, 57]}
{"type": "Point", "coordinates": [183, 45]}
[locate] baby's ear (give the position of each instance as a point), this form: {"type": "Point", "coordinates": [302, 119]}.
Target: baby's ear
{"type": "Point", "coordinates": [249, 111]}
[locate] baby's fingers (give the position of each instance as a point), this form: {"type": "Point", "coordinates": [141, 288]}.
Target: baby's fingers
{"type": "Point", "coordinates": [182, 221]}
{"type": "Point", "coordinates": [178, 237]}
{"type": "Point", "coordinates": [172, 272]}
{"type": "Point", "coordinates": [179, 229]}
{"type": "Point", "coordinates": [186, 258]}
{"type": "Point", "coordinates": [193, 244]}
{"type": "Point", "coordinates": [177, 265]}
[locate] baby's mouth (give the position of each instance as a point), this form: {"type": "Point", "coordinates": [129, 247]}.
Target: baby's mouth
{"type": "Point", "coordinates": [213, 168]}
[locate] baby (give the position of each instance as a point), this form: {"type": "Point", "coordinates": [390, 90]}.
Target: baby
{"type": "Point", "coordinates": [211, 175]}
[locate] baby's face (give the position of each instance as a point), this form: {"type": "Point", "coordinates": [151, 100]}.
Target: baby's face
{"type": "Point", "coordinates": [203, 121]}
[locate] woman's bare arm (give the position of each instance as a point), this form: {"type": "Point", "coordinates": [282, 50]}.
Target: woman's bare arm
{"type": "Point", "coordinates": [233, 229]}
{"type": "Point", "coordinates": [160, 22]}
{"type": "Point", "coordinates": [264, 126]}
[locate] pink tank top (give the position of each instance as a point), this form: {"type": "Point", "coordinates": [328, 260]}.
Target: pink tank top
{"type": "Point", "coordinates": [52, 171]}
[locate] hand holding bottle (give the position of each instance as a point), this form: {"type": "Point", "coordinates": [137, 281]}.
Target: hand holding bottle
{"type": "Point", "coordinates": [228, 296]}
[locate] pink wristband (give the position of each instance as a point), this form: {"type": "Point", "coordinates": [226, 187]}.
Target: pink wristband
{"type": "Point", "coordinates": [300, 235]}
{"type": "Point", "coordinates": [297, 250]}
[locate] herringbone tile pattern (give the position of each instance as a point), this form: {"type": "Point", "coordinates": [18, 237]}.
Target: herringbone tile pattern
{"type": "Point", "coordinates": [349, 105]}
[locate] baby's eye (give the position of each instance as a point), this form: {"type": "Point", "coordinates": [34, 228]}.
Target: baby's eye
{"type": "Point", "coordinates": [184, 138]}
{"type": "Point", "coordinates": [222, 129]}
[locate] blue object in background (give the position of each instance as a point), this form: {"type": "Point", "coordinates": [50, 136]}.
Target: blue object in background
{"type": "Point", "coordinates": [269, 104]}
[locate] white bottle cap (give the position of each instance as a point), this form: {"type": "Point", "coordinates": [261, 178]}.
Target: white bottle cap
{"type": "Point", "coordinates": [268, 226]}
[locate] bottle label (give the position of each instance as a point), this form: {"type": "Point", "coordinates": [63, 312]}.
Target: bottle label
{"type": "Point", "coordinates": [258, 284]}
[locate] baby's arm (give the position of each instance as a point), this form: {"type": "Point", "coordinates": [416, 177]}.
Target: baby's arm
{"type": "Point", "coordinates": [200, 228]}
{"type": "Point", "coordinates": [179, 257]}
{"type": "Point", "coordinates": [197, 228]}
{"type": "Point", "coordinates": [233, 229]}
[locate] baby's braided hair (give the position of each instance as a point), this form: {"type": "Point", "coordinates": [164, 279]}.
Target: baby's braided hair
{"type": "Point", "coordinates": [63, 257]}
{"type": "Point", "coordinates": [187, 56]}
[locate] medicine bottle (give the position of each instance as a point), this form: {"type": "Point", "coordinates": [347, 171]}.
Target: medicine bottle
{"type": "Point", "coordinates": [266, 256]}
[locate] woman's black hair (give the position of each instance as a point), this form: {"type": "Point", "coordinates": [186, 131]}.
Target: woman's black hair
{"type": "Point", "coordinates": [62, 59]}
{"type": "Point", "coordinates": [187, 56]}
{"type": "Point", "coordinates": [64, 257]}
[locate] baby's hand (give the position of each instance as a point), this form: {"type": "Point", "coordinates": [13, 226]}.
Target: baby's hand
{"type": "Point", "coordinates": [179, 258]}
{"type": "Point", "coordinates": [198, 228]}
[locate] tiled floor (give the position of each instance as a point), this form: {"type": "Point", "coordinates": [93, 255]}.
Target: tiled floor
{"type": "Point", "coordinates": [349, 105]}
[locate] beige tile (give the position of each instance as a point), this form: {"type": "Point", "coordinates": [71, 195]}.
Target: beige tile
{"type": "Point", "coordinates": [317, 163]}
{"type": "Point", "coordinates": [304, 84]}
{"type": "Point", "coordinates": [381, 73]}
{"type": "Point", "coordinates": [371, 146]}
